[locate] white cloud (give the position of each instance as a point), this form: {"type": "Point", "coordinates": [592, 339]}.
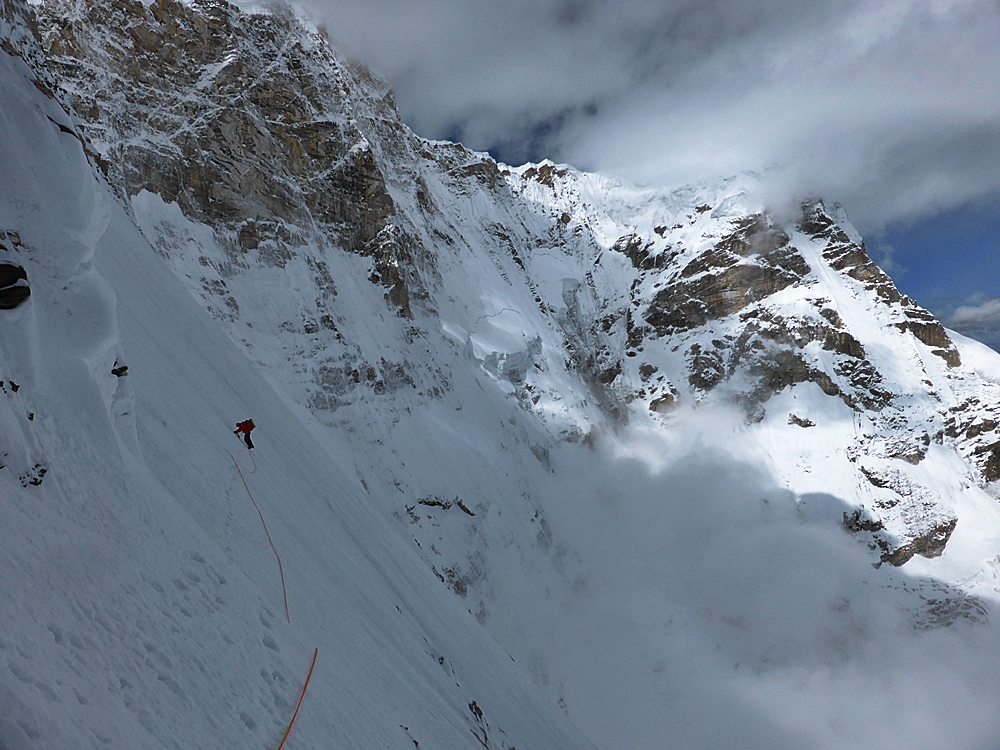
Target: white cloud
{"type": "Point", "coordinates": [891, 107]}
{"type": "Point", "coordinates": [719, 611]}
{"type": "Point", "coordinates": [978, 318]}
{"type": "Point", "coordinates": [970, 316]}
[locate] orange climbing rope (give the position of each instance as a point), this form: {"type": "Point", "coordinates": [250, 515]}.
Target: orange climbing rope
{"type": "Point", "coordinates": [281, 572]}
{"type": "Point", "coordinates": [254, 469]}
{"type": "Point", "coordinates": [299, 705]}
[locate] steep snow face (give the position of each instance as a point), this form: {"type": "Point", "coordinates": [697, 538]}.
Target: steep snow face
{"type": "Point", "coordinates": [282, 186]}
{"type": "Point", "coordinates": [627, 429]}
{"type": "Point", "coordinates": [141, 606]}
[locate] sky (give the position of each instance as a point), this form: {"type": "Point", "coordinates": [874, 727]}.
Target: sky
{"type": "Point", "coordinates": [948, 262]}
{"type": "Point", "coordinates": [890, 107]}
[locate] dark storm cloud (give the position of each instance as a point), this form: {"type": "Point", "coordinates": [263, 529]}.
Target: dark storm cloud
{"type": "Point", "coordinates": [892, 106]}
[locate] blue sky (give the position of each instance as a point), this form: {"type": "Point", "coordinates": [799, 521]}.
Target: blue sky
{"type": "Point", "coordinates": [948, 260]}
{"type": "Point", "coordinates": [952, 254]}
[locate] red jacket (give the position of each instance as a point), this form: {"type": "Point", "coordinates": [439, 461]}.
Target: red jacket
{"type": "Point", "coordinates": [245, 427]}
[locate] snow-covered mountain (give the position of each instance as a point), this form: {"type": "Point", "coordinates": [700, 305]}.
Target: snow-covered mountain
{"type": "Point", "coordinates": [657, 446]}
{"type": "Point", "coordinates": [141, 605]}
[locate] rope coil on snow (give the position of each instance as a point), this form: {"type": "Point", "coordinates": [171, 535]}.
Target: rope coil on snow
{"type": "Point", "coordinates": [281, 571]}
{"type": "Point", "coordinates": [301, 696]}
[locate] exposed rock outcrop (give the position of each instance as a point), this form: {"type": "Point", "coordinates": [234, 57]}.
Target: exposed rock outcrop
{"type": "Point", "coordinates": [14, 287]}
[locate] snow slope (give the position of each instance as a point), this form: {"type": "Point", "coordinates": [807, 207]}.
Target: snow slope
{"type": "Point", "coordinates": [142, 606]}
{"type": "Point", "coordinates": [570, 399]}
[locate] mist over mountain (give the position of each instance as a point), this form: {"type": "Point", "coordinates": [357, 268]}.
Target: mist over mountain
{"type": "Point", "coordinates": [545, 459]}
{"type": "Point", "coordinates": [888, 107]}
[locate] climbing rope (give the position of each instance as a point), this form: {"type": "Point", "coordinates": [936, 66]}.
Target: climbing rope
{"type": "Point", "coordinates": [284, 592]}
{"type": "Point", "coordinates": [249, 453]}
{"type": "Point", "coordinates": [281, 572]}
{"type": "Point", "coordinates": [301, 696]}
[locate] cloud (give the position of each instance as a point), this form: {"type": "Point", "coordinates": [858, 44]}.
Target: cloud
{"type": "Point", "coordinates": [977, 317]}
{"type": "Point", "coordinates": [891, 107]}
{"type": "Point", "coordinates": [884, 255]}
{"type": "Point", "coordinates": [986, 313]}
{"type": "Point", "coordinates": [722, 611]}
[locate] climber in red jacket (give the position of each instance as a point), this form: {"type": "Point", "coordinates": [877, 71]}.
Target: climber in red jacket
{"type": "Point", "coordinates": [245, 427]}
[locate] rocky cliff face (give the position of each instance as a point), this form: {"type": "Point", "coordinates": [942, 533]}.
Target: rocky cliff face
{"type": "Point", "coordinates": [371, 273]}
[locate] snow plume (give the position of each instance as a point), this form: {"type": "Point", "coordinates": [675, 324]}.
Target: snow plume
{"type": "Point", "coordinates": [722, 611]}
{"type": "Point", "coordinates": [891, 107]}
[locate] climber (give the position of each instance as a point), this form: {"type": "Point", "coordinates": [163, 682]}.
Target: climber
{"type": "Point", "coordinates": [245, 428]}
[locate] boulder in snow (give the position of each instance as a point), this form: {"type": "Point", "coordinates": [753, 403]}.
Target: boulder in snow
{"type": "Point", "coordinates": [14, 287]}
